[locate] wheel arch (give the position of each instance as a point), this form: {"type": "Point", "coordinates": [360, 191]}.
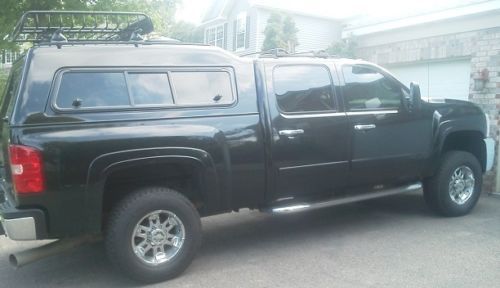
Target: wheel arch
{"type": "Point", "coordinates": [107, 167]}
{"type": "Point", "coordinates": [465, 140]}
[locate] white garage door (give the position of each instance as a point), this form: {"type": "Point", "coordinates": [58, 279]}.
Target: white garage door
{"type": "Point", "coordinates": [438, 80]}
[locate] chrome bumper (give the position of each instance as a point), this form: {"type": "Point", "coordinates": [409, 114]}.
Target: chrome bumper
{"type": "Point", "coordinates": [489, 143]}
{"type": "Point", "coordinates": [20, 224]}
{"type": "Point", "coordinates": [20, 228]}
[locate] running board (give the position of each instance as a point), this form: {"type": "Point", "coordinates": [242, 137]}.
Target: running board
{"type": "Point", "coordinates": [372, 195]}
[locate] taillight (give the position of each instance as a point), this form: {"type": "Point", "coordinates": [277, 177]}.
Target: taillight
{"type": "Point", "coordinates": [27, 169]}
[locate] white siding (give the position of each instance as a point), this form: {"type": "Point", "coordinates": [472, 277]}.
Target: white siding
{"type": "Point", "coordinates": [447, 27]}
{"type": "Point", "coordinates": [238, 7]}
{"type": "Point", "coordinates": [314, 33]}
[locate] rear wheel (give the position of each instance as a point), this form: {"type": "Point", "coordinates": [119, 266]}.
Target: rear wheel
{"type": "Point", "coordinates": [153, 234]}
{"type": "Point", "coordinates": [456, 187]}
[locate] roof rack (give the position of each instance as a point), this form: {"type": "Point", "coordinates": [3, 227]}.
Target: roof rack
{"type": "Point", "coordinates": [281, 53]}
{"type": "Point", "coordinates": [81, 26]}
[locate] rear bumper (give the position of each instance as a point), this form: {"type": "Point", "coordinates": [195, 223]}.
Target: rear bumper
{"type": "Point", "coordinates": [20, 224]}
{"type": "Point", "coordinates": [489, 143]}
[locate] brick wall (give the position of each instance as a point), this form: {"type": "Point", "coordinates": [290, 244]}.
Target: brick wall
{"type": "Point", "coordinates": [483, 49]}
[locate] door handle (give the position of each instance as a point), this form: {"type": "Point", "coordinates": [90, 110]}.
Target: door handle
{"type": "Point", "coordinates": [365, 127]}
{"type": "Point", "coordinates": [291, 133]}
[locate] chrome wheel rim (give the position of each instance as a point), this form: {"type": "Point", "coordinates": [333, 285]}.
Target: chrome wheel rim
{"type": "Point", "coordinates": [461, 186]}
{"type": "Point", "coordinates": [158, 237]}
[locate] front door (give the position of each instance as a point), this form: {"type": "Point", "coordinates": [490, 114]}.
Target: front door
{"type": "Point", "coordinates": [389, 142]}
{"type": "Point", "coordinates": [310, 135]}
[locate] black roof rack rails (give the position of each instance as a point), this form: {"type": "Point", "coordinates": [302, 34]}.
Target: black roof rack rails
{"type": "Point", "coordinates": [280, 53]}
{"type": "Point", "coordinates": [81, 26]}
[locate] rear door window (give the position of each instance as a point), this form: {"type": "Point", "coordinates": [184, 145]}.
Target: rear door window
{"type": "Point", "coordinates": [303, 88]}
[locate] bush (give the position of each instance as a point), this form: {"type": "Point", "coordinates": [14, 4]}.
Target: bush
{"type": "Point", "coordinates": [3, 81]}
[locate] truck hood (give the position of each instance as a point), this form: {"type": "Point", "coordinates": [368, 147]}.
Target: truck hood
{"type": "Point", "coordinates": [453, 105]}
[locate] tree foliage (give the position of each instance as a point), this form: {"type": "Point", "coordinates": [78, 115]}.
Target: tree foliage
{"type": "Point", "coordinates": [343, 48]}
{"type": "Point", "coordinates": [280, 32]}
{"type": "Point", "coordinates": [3, 81]}
{"type": "Point", "coordinates": [162, 12]}
{"type": "Point", "coordinates": [186, 32]}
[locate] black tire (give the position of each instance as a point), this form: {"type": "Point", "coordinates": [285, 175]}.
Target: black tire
{"type": "Point", "coordinates": [121, 227]}
{"type": "Point", "coordinates": [436, 188]}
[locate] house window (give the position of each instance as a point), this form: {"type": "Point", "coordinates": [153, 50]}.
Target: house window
{"type": "Point", "coordinates": [8, 57]}
{"type": "Point", "coordinates": [241, 31]}
{"type": "Point", "coordinates": [215, 36]}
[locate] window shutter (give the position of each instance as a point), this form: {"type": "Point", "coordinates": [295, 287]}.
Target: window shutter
{"type": "Point", "coordinates": [225, 36]}
{"type": "Point", "coordinates": [247, 33]}
{"type": "Point", "coordinates": [235, 31]}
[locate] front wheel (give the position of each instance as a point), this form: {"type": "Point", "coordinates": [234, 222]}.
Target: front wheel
{"type": "Point", "coordinates": [456, 187]}
{"type": "Point", "coordinates": [153, 234]}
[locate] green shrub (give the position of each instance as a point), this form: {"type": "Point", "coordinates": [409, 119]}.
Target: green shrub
{"type": "Point", "coordinates": [3, 81]}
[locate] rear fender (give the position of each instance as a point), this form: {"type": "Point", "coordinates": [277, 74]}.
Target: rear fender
{"type": "Point", "coordinates": [106, 164]}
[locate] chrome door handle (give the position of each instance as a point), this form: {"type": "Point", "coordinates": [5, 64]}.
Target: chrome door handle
{"type": "Point", "coordinates": [365, 127]}
{"type": "Point", "coordinates": [291, 133]}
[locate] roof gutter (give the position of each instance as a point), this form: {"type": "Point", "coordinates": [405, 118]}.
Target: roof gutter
{"type": "Point", "coordinates": [469, 10]}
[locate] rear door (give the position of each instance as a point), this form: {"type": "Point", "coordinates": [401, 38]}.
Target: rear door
{"type": "Point", "coordinates": [310, 134]}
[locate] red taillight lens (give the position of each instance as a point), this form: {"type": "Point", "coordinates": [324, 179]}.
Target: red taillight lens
{"type": "Point", "coordinates": [27, 169]}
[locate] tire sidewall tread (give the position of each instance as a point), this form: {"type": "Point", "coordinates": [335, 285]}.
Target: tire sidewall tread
{"type": "Point", "coordinates": [129, 211]}
{"type": "Point", "coordinates": [436, 188]}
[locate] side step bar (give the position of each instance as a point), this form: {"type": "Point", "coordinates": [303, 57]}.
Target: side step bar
{"type": "Point", "coordinates": [334, 202]}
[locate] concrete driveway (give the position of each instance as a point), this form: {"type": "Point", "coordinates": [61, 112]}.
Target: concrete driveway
{"type": "Point", "coordinates": [392, 242]}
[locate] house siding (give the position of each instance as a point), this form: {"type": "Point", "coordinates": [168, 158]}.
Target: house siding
{"type": "Point", "coordinates": [313, 33]}
{"type": "Point", "coordinates": [237, 8]}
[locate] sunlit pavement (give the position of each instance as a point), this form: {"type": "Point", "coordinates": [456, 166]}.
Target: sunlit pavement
{"type": "Point", "coordinates": [392, 242]}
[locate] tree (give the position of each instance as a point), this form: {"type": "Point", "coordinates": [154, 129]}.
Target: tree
{"type": "Point", "coordinates": [343, 48]}
{"type": "Point", "coordinates": [161, 12]}
{"type": "Point", "coordinates": [186, 32]}
{"type": "Point", "coordinates": [280, 32]}
{"type": "Point", "coordinates": [290, 33]}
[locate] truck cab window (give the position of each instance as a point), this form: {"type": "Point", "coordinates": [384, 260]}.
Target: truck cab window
{"type": "Point", "coordinates": [368, 89]}
{"type": "Point", "coordinates": [303, 88]}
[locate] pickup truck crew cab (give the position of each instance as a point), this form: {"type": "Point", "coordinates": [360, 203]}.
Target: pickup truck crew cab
{"type": "Point", "coordinates": [136, 140]}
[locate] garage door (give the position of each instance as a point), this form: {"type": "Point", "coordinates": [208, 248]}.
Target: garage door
{"type": "Point", "coordinates": [438, 80]}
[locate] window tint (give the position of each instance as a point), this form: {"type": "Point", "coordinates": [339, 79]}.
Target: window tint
{"type": "Point", "coordinates": [92, 89]}
{"type": "Point", "coordinates": [206, 87]}
{"type": "Point", "coordinates": [150, 88]}
{"type": "Point", "coordinates": [366, 88]}
{"type": "Point", "coordinates": [303, 88]}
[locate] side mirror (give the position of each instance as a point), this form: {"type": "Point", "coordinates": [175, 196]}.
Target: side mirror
{"type": "Point", "coordinates": [415, 98]}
